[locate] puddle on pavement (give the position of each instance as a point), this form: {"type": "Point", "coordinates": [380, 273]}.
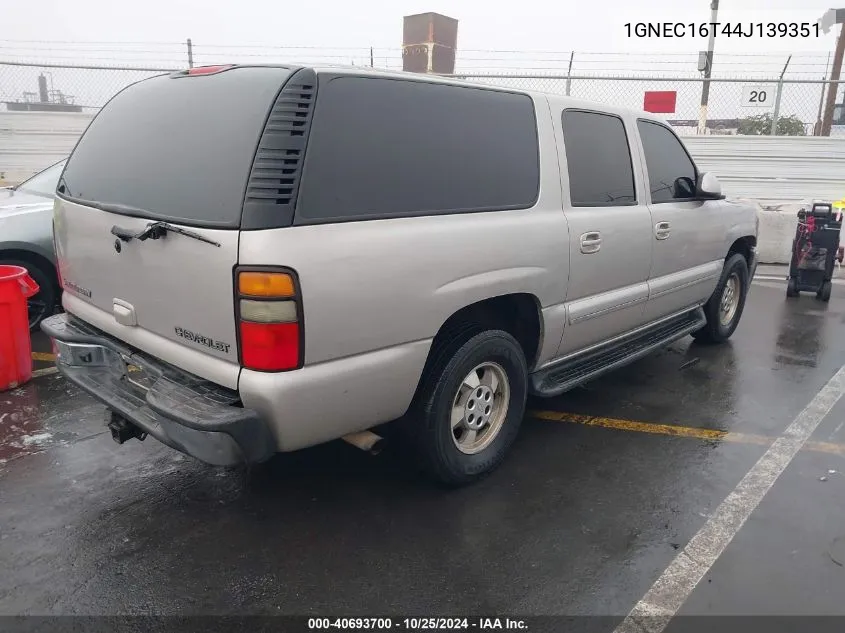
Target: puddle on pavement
{"type": "Point", "coordinates": [28, 414]}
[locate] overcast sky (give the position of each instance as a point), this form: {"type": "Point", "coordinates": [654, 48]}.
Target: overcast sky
{"type": "Point", "coordinates": [538, 25]}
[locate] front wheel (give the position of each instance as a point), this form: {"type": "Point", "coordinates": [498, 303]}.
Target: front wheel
{"type": "Point", "coordinates": [724, 308]}
{"type": "Point", "coordinates": [470, 406]}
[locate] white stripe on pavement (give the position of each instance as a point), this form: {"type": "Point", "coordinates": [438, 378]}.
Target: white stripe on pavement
{"type": "Point", "coordinates": [666, 596]}
{"type": "Point", "coordinates": [836, 282]}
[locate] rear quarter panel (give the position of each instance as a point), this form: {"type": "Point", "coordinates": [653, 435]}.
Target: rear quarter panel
{"type": "Point", "coordinates": [368, 287]}
{"type": "Point", "coordinates": [29, 229]}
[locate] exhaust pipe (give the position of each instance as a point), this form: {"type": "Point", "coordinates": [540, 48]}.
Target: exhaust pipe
{"type": "Point", "coordinates": [367, 441]}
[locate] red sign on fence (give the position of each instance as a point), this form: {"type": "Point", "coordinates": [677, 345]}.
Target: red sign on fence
{"type": "Point", "coordinates": [660, 101]}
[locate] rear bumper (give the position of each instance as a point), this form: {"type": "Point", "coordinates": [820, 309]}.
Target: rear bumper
{"type": "Point", "coordinates": [188, 413]}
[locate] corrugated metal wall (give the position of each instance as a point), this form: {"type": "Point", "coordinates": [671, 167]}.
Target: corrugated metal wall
{"type": "Point", "coordinates": [773, 168]}
{"type": "Point", "coordinates": [778, 169]}
{"type": "Point", "coordinates": [31, 141]}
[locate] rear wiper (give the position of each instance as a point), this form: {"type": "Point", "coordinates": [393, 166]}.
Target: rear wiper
{"type": "Point", "coordinates": [157, 230]}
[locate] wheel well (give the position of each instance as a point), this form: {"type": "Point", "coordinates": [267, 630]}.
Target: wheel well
{"type": "Point", "coordinates": [743, 246]}
{"type": "Point", "coordinates": [516, 314]}
{"type": "Point", "coordinates": [35, 259]}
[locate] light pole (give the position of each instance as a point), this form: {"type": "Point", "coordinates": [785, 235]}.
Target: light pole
{"type": "Point", "coordinates": [831, 17]}
{"type": "Point", "coordinates": [705, 87]}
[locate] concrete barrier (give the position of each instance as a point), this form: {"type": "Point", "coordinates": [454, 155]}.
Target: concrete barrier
{"type": "Point", "coordinates": [777, 230]}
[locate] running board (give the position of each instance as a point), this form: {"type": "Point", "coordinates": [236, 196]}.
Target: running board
{"type": "Point", "coordinates": [571, 372]}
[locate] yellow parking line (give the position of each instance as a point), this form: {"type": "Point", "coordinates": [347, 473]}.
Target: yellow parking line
{"type": "Point", "coordinates": [48, 371]}
{"type": "Point", "coordinates": [678, 431]}
{"type": "Point", "coordinates": [43, 356]}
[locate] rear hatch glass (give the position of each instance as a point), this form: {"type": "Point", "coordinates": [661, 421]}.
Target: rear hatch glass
{"type": "Point", "coordinates": [178, 149]}
{"type": "Point", "coordinates": [166, 149]}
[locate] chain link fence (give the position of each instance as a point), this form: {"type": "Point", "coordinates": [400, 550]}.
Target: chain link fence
{"type": "Point", "coordinates": [735, 106]}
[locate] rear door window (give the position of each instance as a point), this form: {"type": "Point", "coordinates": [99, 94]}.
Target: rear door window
{"type": "Point", "coordinates": [598, 160]}
{"type": "Point", "coordinates": [381, 148]}
{"type": "Point", "coordinates": [177, 149]}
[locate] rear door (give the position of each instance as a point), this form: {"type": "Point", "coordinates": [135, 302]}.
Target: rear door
{"type": "Point", "coordinates": [688, 235]}
{"type": "Point", "coordinates": [609, 230]}
{"type": "Point", "coordinates": [177, 149]}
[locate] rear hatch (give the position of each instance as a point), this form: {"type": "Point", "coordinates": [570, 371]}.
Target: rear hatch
{"type": "Point", "coordinates": [177, 149]}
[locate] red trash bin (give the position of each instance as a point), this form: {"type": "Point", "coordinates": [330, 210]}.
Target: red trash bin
{"type": "Point", "coordinates": [16, 286]}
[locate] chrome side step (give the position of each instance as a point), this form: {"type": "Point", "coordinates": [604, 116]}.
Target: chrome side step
{"type": "Point", "coordinates": [568, 374]}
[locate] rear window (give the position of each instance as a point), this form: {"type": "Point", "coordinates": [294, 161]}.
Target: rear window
{"type": "Point", "coordinates": [177, 149]}
{"type": "Point", "coordinates": [598, 159]}
{"type": "Point", "coordinates": [381, 148]}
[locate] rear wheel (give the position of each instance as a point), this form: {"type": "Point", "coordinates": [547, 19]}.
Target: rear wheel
{"type": "Point", "coordinates": [724, 308]}
{"type": "Point", "coordinates": [792, 288]}
{"type": "Point", "coordinates": [470, 405]}
{"type": "Point", "coordinates": [43, 304]}
{"type": "Point", "coordinates": [824, 291]}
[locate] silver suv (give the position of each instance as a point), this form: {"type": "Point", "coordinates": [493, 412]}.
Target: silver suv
{"type": "Point", "coordinates": [259, 259]}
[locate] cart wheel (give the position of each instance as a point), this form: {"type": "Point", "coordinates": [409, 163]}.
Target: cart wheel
{"type": "Point", "coordinates": [792, 288]}
{"type": "Point", "coordinates": [824, 291]}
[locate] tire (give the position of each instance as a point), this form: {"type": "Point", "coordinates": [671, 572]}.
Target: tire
{"type": "Point", "coordinates": [824, 291]}
{"type": "Point", "coordinates": [721, 323]}
{"type": "Point", "coordinates": [443, 393]}
{"type": "Point", "coordinates": [792, 288]}
{"type": "Point", "coordinates": [47, 293]}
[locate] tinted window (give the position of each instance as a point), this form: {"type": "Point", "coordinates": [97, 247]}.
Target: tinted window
{"type": "Point", "coordinates": [44, 183]}
{"type": "Point", "coordinates": [385, 147]}
{"type": "Point", "coordinates": [598, 160]}
{"type": "Point", "coordinates": [177, 149]}
{"type": "Point", "coordinates": [671, 173]}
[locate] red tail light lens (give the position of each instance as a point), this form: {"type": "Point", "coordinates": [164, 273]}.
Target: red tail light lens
{"type": "Point", "coordinates": [270, 346]}
{"type": "Point", "coordinates": [269, 313]}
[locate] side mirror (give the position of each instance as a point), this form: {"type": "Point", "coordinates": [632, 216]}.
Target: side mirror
{"type": "Point", "coordinates": [709, 186]}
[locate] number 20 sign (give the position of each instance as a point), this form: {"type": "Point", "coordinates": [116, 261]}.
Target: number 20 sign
{"type": "Point", "coordinates": [758, 96]}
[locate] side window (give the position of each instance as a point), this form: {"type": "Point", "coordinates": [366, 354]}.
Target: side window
{"type": "Point", "coordinates": [598, 159]}
{"type": "Point", "coordinates": [671, 172]}
{"type": "Point", "coordinates": [381, 148]}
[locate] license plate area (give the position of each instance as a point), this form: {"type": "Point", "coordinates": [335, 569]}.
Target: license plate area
{"type": "Point", "coordinates": [83, 355]}
{"type": "Point", "coordinates": [101, 357]}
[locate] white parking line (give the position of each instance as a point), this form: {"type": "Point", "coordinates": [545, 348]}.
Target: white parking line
{"type": "Point", "coordinates": [758, 278]}
{"type": "Point", "coordinates": [666, 596]}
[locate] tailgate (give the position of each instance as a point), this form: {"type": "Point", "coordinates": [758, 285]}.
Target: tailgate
{"type": "Point", "coordinates": [171, 297]}
{"type": "Point", "coordinates": [175, 149]}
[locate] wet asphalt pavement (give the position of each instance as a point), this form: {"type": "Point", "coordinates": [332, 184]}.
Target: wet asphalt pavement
{"type": "Point", "coordinates": [581, 519]}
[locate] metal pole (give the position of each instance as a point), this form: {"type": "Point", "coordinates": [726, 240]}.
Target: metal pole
{"type": "Point", "coordinates": [190, 54]}
{"type": "Point", "coordinates": [371, 57]}
{"type": "Point", "coordinates": [705, 87]}
{"type": "Point", "coordinates": [817, 128]}
{"type": "Point", "coordinates": [569, 73]}
{"type": "Point", "coordinates": [773, 131]}
{"type": "Point", "coordinates": [833, 88]}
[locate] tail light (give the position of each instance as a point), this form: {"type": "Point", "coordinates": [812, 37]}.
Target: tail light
{"type": "Point", "coordinates": [269, 310]}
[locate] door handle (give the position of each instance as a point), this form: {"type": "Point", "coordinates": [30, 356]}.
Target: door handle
{"type": "Point", "coordinates": [662, 230]}
{"type": "Point", "coordinates": [590, 242]}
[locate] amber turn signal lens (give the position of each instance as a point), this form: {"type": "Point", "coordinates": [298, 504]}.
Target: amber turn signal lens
{"type": "Point", "coordinates": [258, 284]}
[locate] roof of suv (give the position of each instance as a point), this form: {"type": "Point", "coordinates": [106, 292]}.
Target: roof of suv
{"type": "Point", "coordinates": [559, 99]}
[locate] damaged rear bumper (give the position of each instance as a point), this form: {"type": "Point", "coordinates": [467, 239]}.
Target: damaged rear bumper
{"type": "Point", "coordinates": [186, 412]}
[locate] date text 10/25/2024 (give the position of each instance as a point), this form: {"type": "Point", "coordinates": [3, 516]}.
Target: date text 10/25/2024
{"type": "Point", "coordinates": [724, 29]}
{"type": "Point", "coordinates": [418, 624]}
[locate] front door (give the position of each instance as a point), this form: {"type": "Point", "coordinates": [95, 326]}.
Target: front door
{"type": "Point", "coordinates": [688, 235]}
{"type": "Point", "coordinates": [609, 228]}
